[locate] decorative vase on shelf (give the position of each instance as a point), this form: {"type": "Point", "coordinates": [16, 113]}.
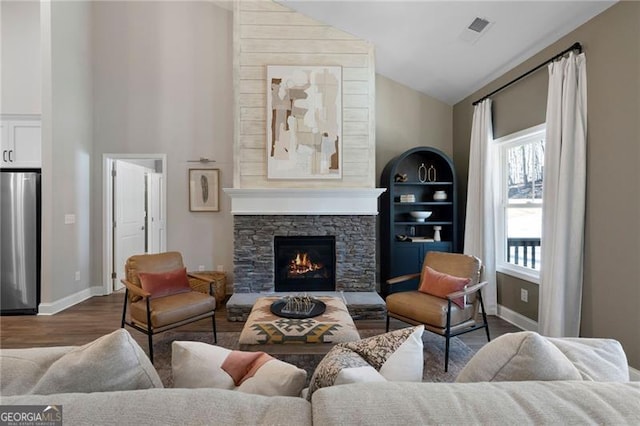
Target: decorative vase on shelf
{"type": "Point", "coordinates": [422, 173]}
{"type": "Point", "coordinates": [440, 195]}
{"type": "Point", "coordinates": [436, 233]}
{"type": "Point", "coordinates": [431, 174]}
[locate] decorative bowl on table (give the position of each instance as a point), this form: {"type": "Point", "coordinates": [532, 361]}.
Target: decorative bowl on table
{"type": "Point", "coordinates": [420, 216]}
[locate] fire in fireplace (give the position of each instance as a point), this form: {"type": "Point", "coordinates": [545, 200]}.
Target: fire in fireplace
{"type": "Point", "coordinates": [305, 263]}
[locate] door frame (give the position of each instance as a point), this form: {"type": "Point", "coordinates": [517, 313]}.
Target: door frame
{"type": "Point", "coordinates": [107, 208]}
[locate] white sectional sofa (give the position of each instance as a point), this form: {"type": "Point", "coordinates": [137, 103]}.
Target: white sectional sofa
{"type": "Point", "coordinates": [102, 386]}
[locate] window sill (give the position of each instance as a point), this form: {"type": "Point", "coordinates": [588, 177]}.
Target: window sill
{"type": "Point", "coordinates": [526, 274]}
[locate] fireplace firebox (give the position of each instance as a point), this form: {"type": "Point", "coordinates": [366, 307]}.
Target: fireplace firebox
{"type": "Point", "coordinates": [305, 263]}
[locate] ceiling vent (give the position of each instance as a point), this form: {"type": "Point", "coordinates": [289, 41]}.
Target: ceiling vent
{"type": "Point", "coordinates": [478, 25]}
{"type": "Point", "coordinates": [475, 30]}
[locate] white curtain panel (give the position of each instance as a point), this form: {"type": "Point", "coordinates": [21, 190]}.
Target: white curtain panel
{"type": "Point", "coordinates": [479, 234]}
{"type": "Point", "coordinates": [564, 199]}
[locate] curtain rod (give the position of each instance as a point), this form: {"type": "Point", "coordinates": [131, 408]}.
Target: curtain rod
{"type": "Point", "coordinates": [575, 46]}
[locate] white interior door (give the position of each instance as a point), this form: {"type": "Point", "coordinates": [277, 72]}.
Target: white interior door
{"type": "Point", "coordinates": [156, 241]}
{"type": "Point", "coordinates": [129, 213]}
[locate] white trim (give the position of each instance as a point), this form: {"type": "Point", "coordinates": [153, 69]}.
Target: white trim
{"type": "Point", "coordinates": [634, 375]}
{"type": "Point", "coordinates": [517, 319]}
{"type": "Point", "coordinates": [515, 138]}
{"type": "Point", "coordinates": [297, 201]}
{"type": "Point", "coordinates": [501, 145]}
{"type": "Point", "coordinates": [69, 301]}
{"type": "Point", "coordinates": [107, 209]}
{"type": "Point", "coordinates": [518, 272]}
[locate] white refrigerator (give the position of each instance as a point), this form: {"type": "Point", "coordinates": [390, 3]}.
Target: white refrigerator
{"type": "Point", "coordinates": [19, 241]}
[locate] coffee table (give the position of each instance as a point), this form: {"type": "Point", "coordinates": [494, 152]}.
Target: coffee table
{"type": "Point", "coordinates": [265, 331]}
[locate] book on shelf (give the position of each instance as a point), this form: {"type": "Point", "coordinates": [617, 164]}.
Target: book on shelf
{"type": "Point", "coordinates": [422, 240]}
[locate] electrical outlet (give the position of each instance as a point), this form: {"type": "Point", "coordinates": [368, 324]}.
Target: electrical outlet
{"type": "Point", "coordinates": [200, 267]}
{"type": "Point", "coordinates": [220, 268]}
{"type": "Point", "coordinates": [77, 275]}
{"type": "Point", "coordinates": [524, 295]}
{"type": "Point", "coordinates": [69, 219]}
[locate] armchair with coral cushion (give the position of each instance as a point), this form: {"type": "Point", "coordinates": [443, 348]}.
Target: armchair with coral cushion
{"type": "Point", "coordinates": [160, 295]}
{"type": "Point", "coordinates": [448, 300]}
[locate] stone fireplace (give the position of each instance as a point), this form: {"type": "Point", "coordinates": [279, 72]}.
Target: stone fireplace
{"type": "Point", "coordinates": [253, 254]}
{"type": "Point", "coordinates": [263, 215]}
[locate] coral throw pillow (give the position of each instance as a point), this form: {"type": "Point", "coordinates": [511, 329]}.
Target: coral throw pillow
{"type": "Point", "coordinates": [439, 284]}
{"type": "Point", "coordinates": [165, 283]}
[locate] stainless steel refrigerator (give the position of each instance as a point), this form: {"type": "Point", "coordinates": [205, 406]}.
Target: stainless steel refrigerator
{"type": "Point", "coordinates": [20, 241]}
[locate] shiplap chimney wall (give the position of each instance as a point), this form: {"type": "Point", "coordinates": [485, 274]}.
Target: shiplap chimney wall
{"type": "Point", "coordinates": [266, 33]}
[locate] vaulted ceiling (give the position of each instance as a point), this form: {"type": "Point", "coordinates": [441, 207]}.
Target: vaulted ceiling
{"type": "Point", "coordinates": [427, 46]}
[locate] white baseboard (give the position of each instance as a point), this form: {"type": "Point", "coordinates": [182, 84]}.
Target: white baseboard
{"type": "Point", "coordinates": [634, 375]}
{"type": "Point", "coordinates": [517, 319]}
{"type": "Point", "coordinates": [67, 302]}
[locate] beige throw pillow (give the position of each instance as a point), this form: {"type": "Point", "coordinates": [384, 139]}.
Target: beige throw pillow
{"type": "Point", "coordinates": [114, 362]}
{"type": "Point", "coordinates": [199, 365]}
{"type": "Point", "coordinates": [517, 357]}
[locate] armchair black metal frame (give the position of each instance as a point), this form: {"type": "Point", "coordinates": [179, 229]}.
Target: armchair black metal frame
{"type": "Point", "coordinates": [433, 305]}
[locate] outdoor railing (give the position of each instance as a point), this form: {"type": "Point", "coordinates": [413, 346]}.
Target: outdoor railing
{"type": "Point", "coordinates": [522, 251]}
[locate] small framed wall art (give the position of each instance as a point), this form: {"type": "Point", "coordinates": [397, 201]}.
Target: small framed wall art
{"type": "Point", "coordinates": [204, 187]}
{"type": "Point", "coordinates": [304, 122]}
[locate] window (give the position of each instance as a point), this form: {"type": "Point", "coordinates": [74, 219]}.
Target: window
{"type": "Point", "coordinates": [519, 218]}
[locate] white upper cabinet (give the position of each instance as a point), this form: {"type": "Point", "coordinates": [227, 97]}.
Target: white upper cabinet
{"type": "Point", "coordinates": [21, 142]}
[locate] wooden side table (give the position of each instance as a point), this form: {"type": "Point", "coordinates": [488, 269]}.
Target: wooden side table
{"type": "Point", "coordinates": [219, 280]}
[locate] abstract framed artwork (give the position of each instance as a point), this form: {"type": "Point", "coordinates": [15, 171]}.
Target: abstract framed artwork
{"type": "Point", "coordinates": [204, 190]}
{"type": "Point", "coordinates": [304, 122]}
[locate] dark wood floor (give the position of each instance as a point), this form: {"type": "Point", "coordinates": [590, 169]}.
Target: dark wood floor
{"type": "Point", "coordinates": [100, 315]}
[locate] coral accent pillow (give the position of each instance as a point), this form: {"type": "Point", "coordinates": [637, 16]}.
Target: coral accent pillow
{"type": "Point", "coordinates": [439, 284]}
{"type": "Point", "coordinates": [243, 365]}
{"type": "Point", "coordinates": [199, 365]}
{"type": "Point", "coordinates": [165, 283]}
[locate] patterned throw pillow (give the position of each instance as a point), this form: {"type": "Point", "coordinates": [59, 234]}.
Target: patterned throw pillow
{"type": "Point", "coordinates": [393, 356]}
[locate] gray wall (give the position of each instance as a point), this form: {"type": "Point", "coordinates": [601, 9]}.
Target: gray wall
{"type": "Point", "coordinates": [611, 42]}
{"type": "Point", "coordinates": [67, 149]}
{"type": "Point", "coordinates": [405, 119]}
{"type": "Point", "coordinates": [21, 57]}
{"type": "Point", "coordinates": [162, 84]}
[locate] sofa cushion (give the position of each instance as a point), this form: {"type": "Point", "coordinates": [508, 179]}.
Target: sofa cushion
{"type": "Point", "coordinates": [496, 403]}
{"type": "Point", "coordinates": [161, 284]}
{"type": "Point", "coordinates": [200, 365]}
{"type": "Point", "coordinates": [20, 369]}
{"type": "Point", "coordinates": [440, 284]}
{"type": "Point", "coordinates": [395, 356]}
{"type": "Point", "coordinates": [154, 407]}
{"type": "Point", "coordinates": [112, 362]}
{"type": "Point", "coordinates": [516, 357]}
{"type": "Point", "coordinates": [601, 360]}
